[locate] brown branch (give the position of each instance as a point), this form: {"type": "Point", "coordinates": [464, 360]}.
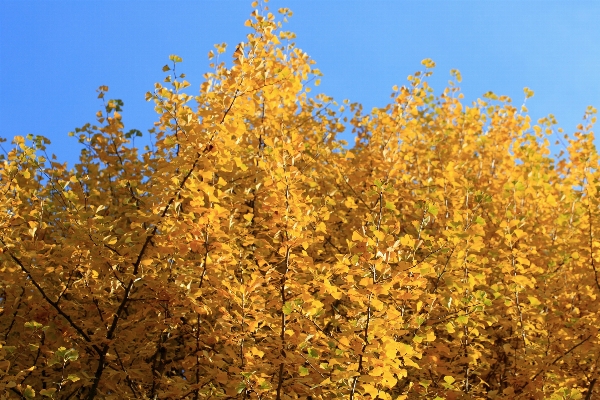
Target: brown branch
{"type": "Point", "coordinates": [235, 96]}
{"type": "Point", "coordinates": [136, 265]}
{"type": "Point", "coordinates": [127, 377]}
{"type": "Point", "coordinates": [283, 326]}
{"type": "Point", "coordinates": [14, 318]}
{"type": "Point", "coordinates": [312, 366]}
{"type": "Point", "coordinates": [591, 237]}
{"type": "Point", "coordinates": [54, 304]}
{"type": "Point", "coordinates": [364, 347]}
{"type": "Point", "coordinates": [197, 372]}
{"type": "Point", "coordinates": [554, 362]}
{"type": "Point", "coordinates": [590, 390]}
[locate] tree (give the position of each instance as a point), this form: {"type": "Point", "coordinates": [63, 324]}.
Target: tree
{"type": "Point", "coordinates": [250, 254]}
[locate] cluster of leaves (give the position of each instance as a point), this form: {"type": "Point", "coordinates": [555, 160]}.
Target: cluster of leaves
{"type": "Point", "coordinates": [249, 254]}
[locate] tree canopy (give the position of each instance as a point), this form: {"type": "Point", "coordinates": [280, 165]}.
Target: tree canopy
{"type": "Point", "coordinates": [249, 253]}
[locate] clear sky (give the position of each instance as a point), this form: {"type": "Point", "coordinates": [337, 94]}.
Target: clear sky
{"type": "Point", "coordinates": [55, 54]}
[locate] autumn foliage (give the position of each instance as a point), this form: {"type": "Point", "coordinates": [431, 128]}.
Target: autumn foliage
{"type": "Point", "coordinates": [248, 253]}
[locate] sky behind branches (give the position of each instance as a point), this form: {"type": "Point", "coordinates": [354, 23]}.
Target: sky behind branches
{"type": "Point", "coordinates": [55, 54]}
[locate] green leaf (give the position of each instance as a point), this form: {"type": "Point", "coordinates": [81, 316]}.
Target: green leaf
{"type": "Point", "coordinates": [29, 393]}
{"type": "Point", "coordinates": [240, 387]}
{"type": "Point", "coordinates": [48, 392]}
{"type": "Point", "coordinates": [264, 385]}
{"type": "Point", "coordinates": [519, 186]}
{"type": "Point", "coordinates": [432, 209]}
{"type": "Point", "coordinates": [287, 308]}
{"type": "Point", "coordinates": [114, 104]}
{"type": "Point", "coordinates": [303, 370]}
{"type": "Point", "coordinates": [63, 355]}
{"type": "Point", "coordinates": [133, 132]}
{"type": "Point", "coordinates": [313, 353]}
{"type": "Point", "coordinates": [33, 325]}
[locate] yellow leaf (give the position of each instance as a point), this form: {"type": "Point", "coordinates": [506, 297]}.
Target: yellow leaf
{"type": "Point", "coordinates": [408, 362]}
{"type": "Point", "coordinates": [257, 352]}
{"type": "Point", "coordinates": [428, 63]}
{"type": "Point", "coordinates": [377, 304]}
{"type": "Point", "coordinates": [370, 389]}
{"type": "Point", "coordinates": [344, 341]}
{"type": "Point", "coordinates": [523, 261]}
{"type": "Point", "coordinates": [528, 92]}
{"type": "Point", "coordinates": [522, 281]}
{"type": "Point", "coordinates": [405, 349]}
{"type": "Point", "coordinates": [379, 235]}
{"type": "Point", "coordinates": [389, 380]}
{"type": "Point", "coordinates": [430, 336]}
{"type": "Point", "coordinates": [533, 301]}
{"type": "Point", "coordinates": [408, 241]}
{"type": "Point", "coordinates": [390, 350]}
{"type": "Point", "coordinates": [332, 290]}
{"type": "Point", "coordinates": [519, 233]}
{"type": "Point", "coordinates": [356, 237]}
{"type": "Point", "coordinates": [321, 227]}
{"type": "Point", "coordinates": [551, 200]}
{"type": "Point", "coordinates": [240, 164]}
{"type": "Point", "coordinates": [449, 380]}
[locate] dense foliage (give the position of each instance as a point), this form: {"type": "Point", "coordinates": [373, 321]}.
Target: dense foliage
{"type": "Point", "coordinates": [247, 253]}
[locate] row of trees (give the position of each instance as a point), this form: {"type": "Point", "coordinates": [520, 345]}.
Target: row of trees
{"type": "Point", "coordinates": [250, 254]}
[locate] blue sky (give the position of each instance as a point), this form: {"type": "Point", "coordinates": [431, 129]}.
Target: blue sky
{"type": "Point", "coordinates": [55, 54]}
